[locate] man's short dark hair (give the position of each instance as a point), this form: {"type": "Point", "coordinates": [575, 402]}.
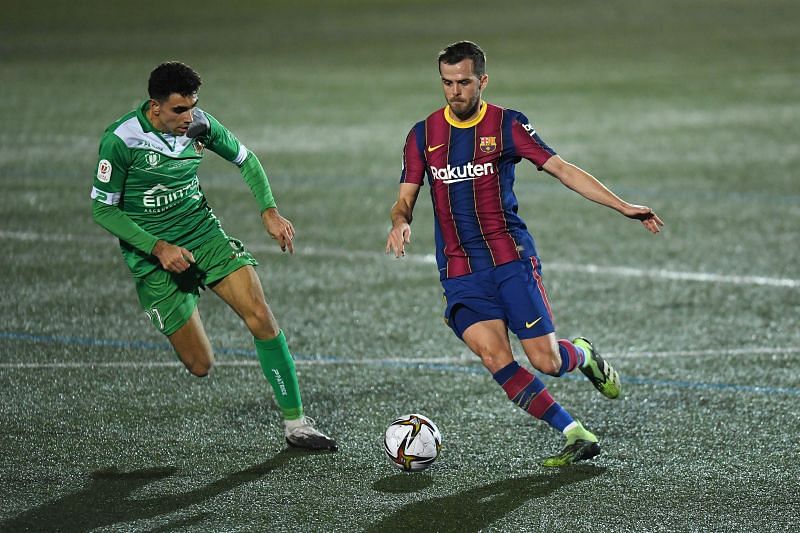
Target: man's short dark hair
{"type": "Point", "coordinates": [172, 77]}
{"type": "Point", "coordinates": [457, 52]}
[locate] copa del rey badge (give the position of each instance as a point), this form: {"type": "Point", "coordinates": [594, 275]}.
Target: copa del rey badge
{"type": "Point", "coordinates": [488, 144]}
{"type": "Point", "coordinates": [104, 170]}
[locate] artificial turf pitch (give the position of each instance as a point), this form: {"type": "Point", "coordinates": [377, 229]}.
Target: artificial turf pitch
{"type": "Point", "coordinates": [689, 107]}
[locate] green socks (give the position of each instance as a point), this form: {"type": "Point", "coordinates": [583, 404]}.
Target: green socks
{"type": "Point", "coordinates": [278, 367]}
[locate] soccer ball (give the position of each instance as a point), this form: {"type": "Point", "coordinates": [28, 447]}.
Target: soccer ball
{"type": "Point", "coordinates": [412, 442]}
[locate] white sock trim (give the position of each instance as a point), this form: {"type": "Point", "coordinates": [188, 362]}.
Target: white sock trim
{"type": "Point", "coordinates": [571, 425]}
{"type": "Point", "coordinates": [294, 424]}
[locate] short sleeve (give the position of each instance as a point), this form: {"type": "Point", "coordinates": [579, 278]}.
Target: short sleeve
{"type": "Point", "coordinates": [413, 170]}
{"type": "Point", "coordinates": [527, 142]}
{"type": "Point", "coordinates": [224, 143]}
{"type": "Point", "coordinates": [112, 170]}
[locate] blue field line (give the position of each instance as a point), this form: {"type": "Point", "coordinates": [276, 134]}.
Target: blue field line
{"type": "Point", "coordinates": [474, 369]}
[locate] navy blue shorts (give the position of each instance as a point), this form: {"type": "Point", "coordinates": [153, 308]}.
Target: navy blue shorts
{"type": "Point", "coordinates": [512, 292]}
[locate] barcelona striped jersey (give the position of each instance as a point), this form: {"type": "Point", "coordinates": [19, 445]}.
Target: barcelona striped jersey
{"type": "Point", "coordinates": [470, 170]}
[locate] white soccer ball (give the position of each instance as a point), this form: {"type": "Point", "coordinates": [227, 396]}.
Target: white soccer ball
{"type": "Point", "coordinates": [412, 442]}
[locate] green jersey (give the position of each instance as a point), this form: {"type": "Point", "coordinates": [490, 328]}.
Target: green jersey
{"type": "Point", "coordinates": [152, 177]}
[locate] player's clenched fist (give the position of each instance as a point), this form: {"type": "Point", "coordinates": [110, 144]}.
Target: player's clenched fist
{"type": "Point", "coordinates": [173, 258]}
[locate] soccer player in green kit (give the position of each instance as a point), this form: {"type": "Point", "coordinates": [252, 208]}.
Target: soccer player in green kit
{"type": "Point", "coordinates": [147, 194]}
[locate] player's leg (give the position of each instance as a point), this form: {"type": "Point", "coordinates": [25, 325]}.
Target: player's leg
{"type": "Point", "coordinates": [525, 300]}
{"type": "Point", "coordinates": [551, 356]}
{"type": "Point", "coordinates": [474, 315]}
{"type": "Point", "coordinates": [242, 291]}
{"type": "Point", "coordinates": [488, 339]}
{"type": "Point", "coordinates": [525, 305]}
{"type": "Point", "coordinates": [170, 301]}
{"type": "Point", "coordinates": [192, 346]}
{"type": "Point", "coordinates": [556, 358]}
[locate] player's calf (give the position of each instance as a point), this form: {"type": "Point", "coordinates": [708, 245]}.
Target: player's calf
{"type": "Point", "coordinates": [543, 353]}
{"type": "Point", "coordinates": [547, 363]}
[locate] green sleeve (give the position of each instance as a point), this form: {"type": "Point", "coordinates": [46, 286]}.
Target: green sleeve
{"type": "Point", "coordinates": [118, 223]}
{"type": "Point", "coordinates": [255, 177]}
{"type": "Point", "coordinates": [114, 159]}
{"type": "Point", "coordinates": [222, 142]}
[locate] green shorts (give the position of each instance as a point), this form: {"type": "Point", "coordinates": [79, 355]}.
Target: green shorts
{"type": "Point", "coordinates": [169, 299]}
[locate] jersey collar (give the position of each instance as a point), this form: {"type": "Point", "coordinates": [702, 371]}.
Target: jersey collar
{"type": "Point", "coordinates": [450, 118]}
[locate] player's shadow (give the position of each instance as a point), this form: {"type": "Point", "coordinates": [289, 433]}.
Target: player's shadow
{"type": "Point", "coordinates": [476, 509]}
{"type": "Point", "coordinates": [400, 483]}
{"type": "Point", "coordinates": [106, 500]}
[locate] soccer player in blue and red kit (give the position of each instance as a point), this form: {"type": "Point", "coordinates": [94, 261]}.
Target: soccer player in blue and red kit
{"type": "Point", "coordinates": [487, 259]}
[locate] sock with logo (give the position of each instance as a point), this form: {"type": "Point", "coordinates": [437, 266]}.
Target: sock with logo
{"type": "Point", "coordinates": [529, 393]}
{"type": "Point", "coordinates": [278, 367]}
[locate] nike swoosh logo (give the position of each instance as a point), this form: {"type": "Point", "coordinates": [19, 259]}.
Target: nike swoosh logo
{"type": "Point", "coordinates": [432, 148]}
{"type": "Point", "coordinates": [529, 325]}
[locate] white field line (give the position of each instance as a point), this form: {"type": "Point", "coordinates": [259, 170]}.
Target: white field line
{"type": "Point", "coordinates": [395, 361]}
{"type": "Point", "coordinates": [310, 251]}
{"type": "Point", "coordinates": [702, 353]}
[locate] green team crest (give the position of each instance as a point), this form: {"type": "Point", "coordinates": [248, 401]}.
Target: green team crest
{"type": "Point", "coordinates": [152, 158]}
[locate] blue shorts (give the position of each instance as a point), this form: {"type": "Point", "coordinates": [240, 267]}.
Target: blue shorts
{"type": "Point", "coordinates": [512, 292]}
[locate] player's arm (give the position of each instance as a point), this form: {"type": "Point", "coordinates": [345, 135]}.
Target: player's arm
{"type": "Point", "coordinates": [590, 188]}
{"type": "Point", "coordinates": [411, 179]}
{"type": "Point", "coordinates": [112, 171]}
{"type": "Point", "coordinates": [529, 145]}
{"type": "Point", "coordinates": [278, 227]}
{"type": "Point", "coordinates": [115, 221]}
{"type": "Point", "coordinates": [221, 141]}
{"type": "Point", "coordinates": [402, 215]}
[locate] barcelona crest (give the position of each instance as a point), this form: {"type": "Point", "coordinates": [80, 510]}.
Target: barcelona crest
{"type": "Point", "coordinates": [488, 144]}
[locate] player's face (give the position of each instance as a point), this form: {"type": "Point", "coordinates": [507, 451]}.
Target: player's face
{"type": "Point", "coordinates": [462, 88]}
{"type": "Point", "coordinates": [174, 114]}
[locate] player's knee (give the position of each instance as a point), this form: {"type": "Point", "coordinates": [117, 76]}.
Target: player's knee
{"type": "Point", "coordinates": [492, 358]}
{"type": "Point", "coordinates": [261, 323]}
{"type": "Point", "coordinates": [200, 368]}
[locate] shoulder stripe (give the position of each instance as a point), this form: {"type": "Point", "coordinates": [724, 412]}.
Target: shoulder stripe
{"type": "Point", "coordinates": [131, 132]}
{"type": "Point", "coordinates": [241, 156]}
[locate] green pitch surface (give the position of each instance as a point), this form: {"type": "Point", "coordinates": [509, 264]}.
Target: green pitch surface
{"type": "Point", "coordinates": [689, 107]}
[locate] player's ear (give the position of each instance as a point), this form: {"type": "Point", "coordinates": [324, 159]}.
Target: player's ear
{"type": "Point", "coordinates": [155, 106]}
{"type": "Point", "coordinates": [483, 80]}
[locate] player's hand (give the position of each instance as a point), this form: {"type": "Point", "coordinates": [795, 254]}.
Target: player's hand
{"type": "Point", "coordinates": [399, 236]}
{"type": "Point", "coordinates": [173, 258]}
{"type": "Point", "coordinates": [650, 220]}
{"type": "Point", "coordinates": [279, 228]}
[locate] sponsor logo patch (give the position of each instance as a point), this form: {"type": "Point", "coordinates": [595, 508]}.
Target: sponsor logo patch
{"type": "Point", "coordinates": [488, 144]}
{"type": "Point", "coordinates": [160, 198]}
{"type": "Point", "coordinates": [470, 171]}
{"type": "Point", "coordinates": [530, 129]}
{"type": "Point", "coordinates": [104, 170]}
